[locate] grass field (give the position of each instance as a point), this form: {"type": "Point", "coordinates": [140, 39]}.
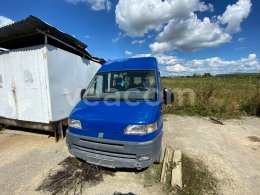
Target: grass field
{"type": "Point", "coordinates": [221, 97]}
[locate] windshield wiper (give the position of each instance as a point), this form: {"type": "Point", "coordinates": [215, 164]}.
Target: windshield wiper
{"type": "Point", "coordinates": [92, 98]}
{"type": "Point", "coordinates": [114, 99]}
{"type": "Point", "coordinates": [135, 99]}
{"type": "Point", "coordinates": [111, 99]}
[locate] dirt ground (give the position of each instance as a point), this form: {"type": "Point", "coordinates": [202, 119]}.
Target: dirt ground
{"type": "Point", "coordinates": [230, 151]}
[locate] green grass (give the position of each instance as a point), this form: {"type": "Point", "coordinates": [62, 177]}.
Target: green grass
{"type": "Point", "coordinates": [221, 97]}
{"type": "Point", "coordinates": [196, 178]}
{"type": "Point", "coordinates": [151, 176]}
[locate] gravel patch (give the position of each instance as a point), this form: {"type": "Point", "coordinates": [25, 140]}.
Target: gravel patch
{"type": "Point", "coordinates": [231, 152]}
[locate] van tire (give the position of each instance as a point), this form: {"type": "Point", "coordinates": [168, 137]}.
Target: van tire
{"type": "Point", "coordinates": [159, 158]}
{"type": "Point", "coordinates": [80, 159]}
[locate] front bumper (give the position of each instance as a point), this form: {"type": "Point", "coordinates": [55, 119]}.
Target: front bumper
{"type": "Point", "coordinates": [114, 154]}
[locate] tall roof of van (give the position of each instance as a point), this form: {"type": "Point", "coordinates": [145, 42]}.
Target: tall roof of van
{"type": "Point", "coordinates": [142, 63]}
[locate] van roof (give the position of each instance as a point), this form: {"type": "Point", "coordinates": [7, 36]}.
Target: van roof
{"type": "Point", "coordinates": [142, 63]}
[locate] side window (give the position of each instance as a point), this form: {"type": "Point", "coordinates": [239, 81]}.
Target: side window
{"type": "Point", "coordinates": [99, 87]}
{"type": "Point", "coordinates": [91, 90]}
{"type": "Point", "coordinates": [96, 85]}
{"type": "Point", "coordinates": [159, 78]}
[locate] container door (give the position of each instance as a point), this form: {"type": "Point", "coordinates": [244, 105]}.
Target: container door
{"type": "Point", "coordinates": [27, 81]}
{"type": "Point", "coordinates": [7, 97]}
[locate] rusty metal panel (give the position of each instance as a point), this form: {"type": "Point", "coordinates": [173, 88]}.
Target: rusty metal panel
{"type": "Point", "coordinates": [7, 100]}
{"type": "Point", "coordinates": [28, 84]}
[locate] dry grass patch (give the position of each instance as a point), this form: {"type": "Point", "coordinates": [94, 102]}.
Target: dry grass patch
{"type": "Point", "coordinates": [71, 175]}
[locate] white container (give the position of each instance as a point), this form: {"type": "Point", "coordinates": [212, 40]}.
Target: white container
{"type": "Point", "coordinates": [41, 84]}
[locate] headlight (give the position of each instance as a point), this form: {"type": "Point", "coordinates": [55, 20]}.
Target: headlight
{"type": "Point", "coordinates": [74, 123]}
{"type": "Point", "coordinates": [151, 127]}
{"type": "Point", "coordinates": [140, 129]}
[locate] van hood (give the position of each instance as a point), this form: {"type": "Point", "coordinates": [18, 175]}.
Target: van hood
{"type": "Point", "coordinates": [113, 116]}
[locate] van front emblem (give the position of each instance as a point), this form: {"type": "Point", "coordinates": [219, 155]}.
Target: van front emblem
{"type": "Point", "coordinates": [100, 135]}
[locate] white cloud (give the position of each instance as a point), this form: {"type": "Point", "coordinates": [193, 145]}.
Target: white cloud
{"type": "Point", "coordinates": [189, 35]}
{"type": "Point", "coordinates": [118, 37]}
{"type": "Point", "coordinates": [241, 39]}
{"type": "Point", "coordinates": [137, 42]}
{"type": "Point", "coordinates": [138, 17]}
{"type": "Point", "coordinates": [171, 65]}
{"type": "Point", "coordinates": [142, 55]}
{"type": "Point", "coordinates": [5, 21]}
{"type": "Point", "coordinates": [128, 53]}
{"type": "Point", "coordinates": [240, 48]}
{"type": "Point", "coordinates": [149, 36]}
{"type": "Point", "coordinates": [252, 56]}
{"type": "Point", "coordinates": [160, 47]}
{"type": "Point", "coordinates": [235, 14]}
{"type": "Point", "coordinates": [177, 25]}
{"type": "Point", "coordinates": [176, 68]}
{"type": "Point", "coordinates": [95, 5]}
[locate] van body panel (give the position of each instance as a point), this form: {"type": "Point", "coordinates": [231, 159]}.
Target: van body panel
{"type": "Point", "coordinates": [102, 138]}
{"type": "Point", "coordinates": [113, 116]}
{"type": "Point", "coordinates": [112, 153]}
{"type": "Point", "coordinates": [147, 63]}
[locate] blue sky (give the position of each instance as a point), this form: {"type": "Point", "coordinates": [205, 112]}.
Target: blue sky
{"type": "Point", "coordinates": [186, 36]}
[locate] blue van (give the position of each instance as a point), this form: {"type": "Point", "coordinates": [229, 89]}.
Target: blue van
{"type": "Point", "coordinates": [118, 123]}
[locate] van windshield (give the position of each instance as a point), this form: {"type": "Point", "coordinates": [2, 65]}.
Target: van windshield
{"type": "Point", "coordinates": [129, 85]}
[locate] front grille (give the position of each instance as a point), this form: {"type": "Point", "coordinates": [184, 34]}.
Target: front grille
{"type": "Point", "coordinates": [101, 143]}
{"type": "Point", "coordinates": [105, 153]}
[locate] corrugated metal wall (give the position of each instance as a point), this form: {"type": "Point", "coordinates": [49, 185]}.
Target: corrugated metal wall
{"type": "Point", "coordinates": [68, 74]}
{"type": "Point", "coordinates": [42, 83]}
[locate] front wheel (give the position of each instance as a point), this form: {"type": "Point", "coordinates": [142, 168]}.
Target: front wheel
{"type": "Point", "coordinates": [159, 158]}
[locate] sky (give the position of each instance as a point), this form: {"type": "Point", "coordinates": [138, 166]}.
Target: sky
{"type": "Point", "coordinates": [186, 36]}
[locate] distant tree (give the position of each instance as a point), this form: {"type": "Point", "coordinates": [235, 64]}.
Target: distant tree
{"type": "Point", "coordinates": [206, 74]}
{"type": "Point", "coordinates": [196, 75]}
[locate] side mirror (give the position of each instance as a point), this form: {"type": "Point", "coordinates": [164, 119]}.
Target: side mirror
{"type": "Point", "coordinates": [168, 96]}
{"type": "Point", "coordinates": [82, 93]}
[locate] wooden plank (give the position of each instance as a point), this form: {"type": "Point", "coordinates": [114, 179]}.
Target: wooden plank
{"type": "Point", "coordinates": [165, 166]}
{"type": "Point", "coordinates": [176, 180]}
